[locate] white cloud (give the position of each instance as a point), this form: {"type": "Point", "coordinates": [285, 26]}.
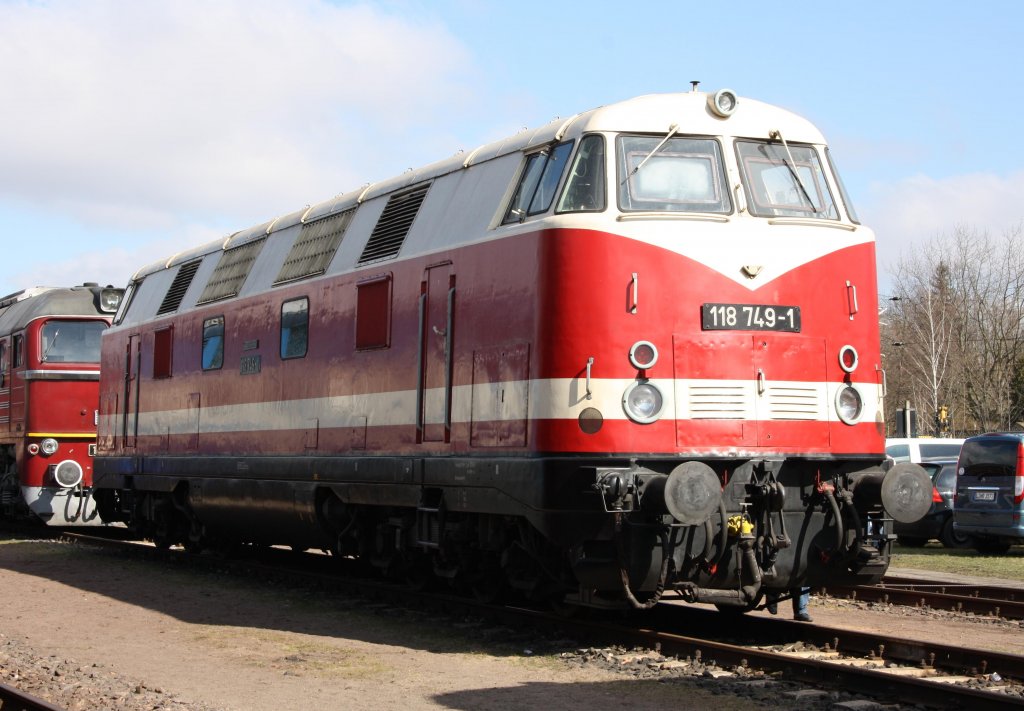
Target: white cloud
{"type": "Point", "coordinates": [911, 212]}
{"type": "Point", "coordinates": [122, 112]}
{"type": "Point", "coordinates": [110, 265]}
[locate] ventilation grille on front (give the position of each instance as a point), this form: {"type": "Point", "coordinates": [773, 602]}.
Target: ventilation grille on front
{"type": "Point", "coordinates": [392, 227]}
{"type": "Point", "coordinates": [736, 401]}
{"type": "Point", "coordinates": [314, 247]}
{"type": "Point", "coordinates": [179, 286]}
{"type": "Point", "coordinates": [232, 269]}
{"type": "Point", "coordinates": [793, 403]}
{"type": "Point", "coordinates": [719, 401]}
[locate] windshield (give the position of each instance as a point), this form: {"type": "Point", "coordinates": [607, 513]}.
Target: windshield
{"type": "Point", "coordinates": [71, 341]}
{"type": "Point", "coordinates": [682, 175]}
{"type": "Point", "coordinates": [786, 181]}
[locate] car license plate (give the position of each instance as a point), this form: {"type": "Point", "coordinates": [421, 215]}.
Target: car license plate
{"type": "Point", "coordinates": [984, 496]}
{"type": "Point", "coordinates": [749, 317]}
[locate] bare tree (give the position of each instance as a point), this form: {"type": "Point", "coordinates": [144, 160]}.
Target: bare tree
{"type": "Point", "coordinates": [954, 333]}
{"type": "Point", "coordinates": [990, 287]}
{"type": "Point", "coordinates": [920, 332]}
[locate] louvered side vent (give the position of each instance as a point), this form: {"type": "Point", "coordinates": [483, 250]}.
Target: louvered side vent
{"type": "Point", "coordinates": [232, 269]}
{"type": "Point", "coordinates": [392, 227]}
{"type": "Point", "coordinates": [314, 248]}
{"type": "Point", "coordinates": [179, 286]}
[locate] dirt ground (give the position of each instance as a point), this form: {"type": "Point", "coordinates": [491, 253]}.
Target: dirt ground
{"type": "Point", "coordinates": [104, 631]}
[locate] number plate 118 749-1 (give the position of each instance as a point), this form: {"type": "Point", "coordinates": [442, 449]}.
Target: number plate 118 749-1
{"type": "Point", "coordinates": [749, 317]}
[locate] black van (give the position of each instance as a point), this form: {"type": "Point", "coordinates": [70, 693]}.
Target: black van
{"type": "Point", "coordinates": [990, 490]}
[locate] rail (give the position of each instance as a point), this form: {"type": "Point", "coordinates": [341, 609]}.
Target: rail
{"type": "Point", "coordinates": [12, 699]}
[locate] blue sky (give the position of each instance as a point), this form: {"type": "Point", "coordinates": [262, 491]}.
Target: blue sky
{"type": "Point", "coordinates": [132, 129]}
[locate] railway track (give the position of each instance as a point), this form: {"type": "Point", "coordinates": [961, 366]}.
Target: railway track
{"type": "Point", "coordinates": [12, 699]}
{"type": "Point", "coordinates": [990, 600]}
{"type": "Point", "coordinates": [695, 640]}
{"type": "Point", "coordinates": [912, 671]}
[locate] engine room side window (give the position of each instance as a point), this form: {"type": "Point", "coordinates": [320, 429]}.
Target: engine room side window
{"type": "Point", "coordinates": [675, 175]}
{"type": "Point", "coordinates": [785, 181]}
{"type": "Point", "coordinates": [538, 182]}
{"type": "Point", "coordinates": [163, 344]}
{"type": "Point", "coordinates": [295, 328]}
{"type": "Point", "coordinates": [585, 187]}
{"type": "Point", "coordinates": [213, 343]}
{"type": "Point", "coordinates": [373, 313]}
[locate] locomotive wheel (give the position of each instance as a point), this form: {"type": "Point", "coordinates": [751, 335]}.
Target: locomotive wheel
{"type": "Point", "coordinates": [488, 583]}
{"type": "Point", "coordinates": [563, 609]}
{"type": "Point", "coordinates": [417, 571]}
{"type": "Point", "coordinates": [162, 529]}
{"type": "Point", "coordinates": [489, 588]}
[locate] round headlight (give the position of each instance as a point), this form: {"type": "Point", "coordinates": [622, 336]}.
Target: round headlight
{"type": "Point", "coordinates": [849, 405]}
{"type": "Point", "coordinates": [643, 355]}
{"type": "Point", "coordinates": [68, 474]}
{"type": "Point", "coordinates": [723, 102]}
{"type": "Point", "coordinates": [642, 402]}
{"type": "Point", "coordinates": [48, 446]}
{"type": "Point", "coordinates": [848, 358]}
{"type": "Point", "coordinates": [110, 299]}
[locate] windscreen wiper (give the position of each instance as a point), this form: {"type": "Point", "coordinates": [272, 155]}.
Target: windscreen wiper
{"type": "Point", "coordinates": [48, 347]}
{"type": "Point", "coordinates": [776, 135]}
{"type": "Point", "coordinates": [671, 132]}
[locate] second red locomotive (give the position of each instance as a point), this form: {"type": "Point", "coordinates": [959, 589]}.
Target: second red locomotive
{"type": "Point", "coordinates": [49, 384]}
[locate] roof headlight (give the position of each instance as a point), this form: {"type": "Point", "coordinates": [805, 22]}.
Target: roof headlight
{"type": "Point", "coordinates": [723, 102]}
{"type": "Point", "coordinates": [48, 446]}
{"type": "Point", "coordinates": [642, 402]}
{"type": "Point", "coordinates": [68, 474]}
{"type": "Point", "coordinates": [643, 355]}
{"type": "Point", "coordinates": [110, 299]}
{"type": "Point", "coordinates": [849, 405]}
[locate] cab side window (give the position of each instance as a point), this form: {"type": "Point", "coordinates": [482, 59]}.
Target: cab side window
{"type": "Point", "coordinates": [19, 351]}
{"type": "Point", "coordinates": [584, 188]}
{"type": "Point", "coordinates": [538, 182]}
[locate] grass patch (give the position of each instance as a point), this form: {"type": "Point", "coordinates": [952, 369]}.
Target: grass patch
{"type": "Point", "coordinates": [297, 653]}
{"type": "Point", "coordinates": [965, 561]}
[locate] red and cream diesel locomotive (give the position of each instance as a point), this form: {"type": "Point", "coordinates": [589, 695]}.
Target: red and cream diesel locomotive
{"type": "Point", "coordinates": [630, 352]}
{"type": "Point", "coordinates": [49, 385]}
